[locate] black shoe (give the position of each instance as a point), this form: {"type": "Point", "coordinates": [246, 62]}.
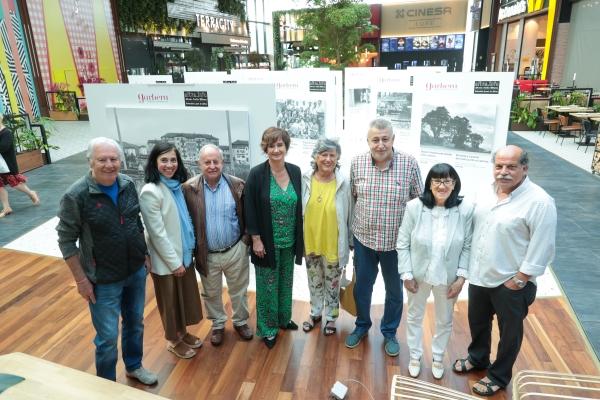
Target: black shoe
{"type": "Point", "coordinates": [270, 342]}
{"type": "Point", "coordinates": [291, 325]}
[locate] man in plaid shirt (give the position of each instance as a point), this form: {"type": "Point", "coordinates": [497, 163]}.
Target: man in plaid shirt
{"type": "Point", "coordinates": [383, 181]}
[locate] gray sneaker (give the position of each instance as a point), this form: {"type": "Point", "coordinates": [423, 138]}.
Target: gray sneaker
{"type": "Point", "coordinates": [392, 348]}
{"type": "Point", "coordinates": [143, 375]}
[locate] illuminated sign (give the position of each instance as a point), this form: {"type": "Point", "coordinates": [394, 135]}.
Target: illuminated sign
{"type": "Point", "coordinates": [433, 17]}
{"type": "Point", "coordinates": [511, 8]}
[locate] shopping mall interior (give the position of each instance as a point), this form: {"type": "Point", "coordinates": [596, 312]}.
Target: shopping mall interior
{"type": "Point", "coordinates": [457, 80]}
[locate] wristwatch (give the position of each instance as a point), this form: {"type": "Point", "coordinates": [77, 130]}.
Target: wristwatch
{"type": "Point", "coordinates": [520, 284]}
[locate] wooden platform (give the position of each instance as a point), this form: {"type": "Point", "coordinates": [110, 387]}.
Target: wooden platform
{"type": "Point", "coordinates": [41, 314]}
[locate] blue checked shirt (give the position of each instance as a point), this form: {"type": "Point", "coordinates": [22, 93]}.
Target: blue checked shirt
{"type": "Point", "coordinates": [381, 198]}
{"type": "Point", "coordinates": [222, 225]}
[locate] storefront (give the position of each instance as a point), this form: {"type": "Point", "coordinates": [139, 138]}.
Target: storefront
{"type": "Point", "coordinates": [190, 47]}
{"type": "Point", "coordinates": [423, 34]}
{"type": "Point", "coordinates": [523, 37]}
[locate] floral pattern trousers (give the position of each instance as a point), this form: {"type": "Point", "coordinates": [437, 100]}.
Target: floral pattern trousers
{"type": "Point", "coordinates": [324, 285]}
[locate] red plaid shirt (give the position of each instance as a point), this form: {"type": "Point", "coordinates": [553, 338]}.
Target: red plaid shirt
{"type": "Point", "coordinates": [381, 198]}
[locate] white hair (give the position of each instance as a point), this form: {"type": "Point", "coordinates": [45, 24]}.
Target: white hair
{"type": "Point", "coordinates": [210, 146]}
{"type": "Point", "coordinates": [103, 140]}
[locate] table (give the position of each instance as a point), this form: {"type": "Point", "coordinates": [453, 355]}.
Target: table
{"type": "Point", "coordinates": [585, 115]}
{"type": "Point", "coordinates": [597, 119]}
{"type": "Point", "coordinates": [569, 109]}
{"type": "Point", "coordinates": [49, 381]}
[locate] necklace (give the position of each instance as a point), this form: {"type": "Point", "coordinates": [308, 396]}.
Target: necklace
{"type": "Point", "coordinates": [323, 182]}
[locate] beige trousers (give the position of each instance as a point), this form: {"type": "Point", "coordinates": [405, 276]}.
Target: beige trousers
{"type": "Point", "coordinates": [234, 264]}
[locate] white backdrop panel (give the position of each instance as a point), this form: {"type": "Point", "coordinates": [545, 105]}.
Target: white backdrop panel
{"type": "Point", "coordinates": [256, 99]}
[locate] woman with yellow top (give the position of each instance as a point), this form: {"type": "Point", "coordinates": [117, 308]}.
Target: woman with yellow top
{"type": "Point", "coordinates": [326, 211]}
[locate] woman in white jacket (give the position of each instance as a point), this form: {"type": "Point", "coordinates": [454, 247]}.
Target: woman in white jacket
{"type": "Point", "coordinates": [326, 211]}
{"type": "Point", "coordinates": [434, 243]}
{"type": "Point", "coordinates": [170, 239]}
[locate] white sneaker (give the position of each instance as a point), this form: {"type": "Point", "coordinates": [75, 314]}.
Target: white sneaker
{"type": "Point", "coordinates": [143, 375]}
{"type": "Point", "coordinates": [437, 369]}
{"type": "Point", "coordinates": [414, 367]}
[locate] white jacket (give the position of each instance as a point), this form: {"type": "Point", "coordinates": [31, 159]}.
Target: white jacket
{"type": "Point", "coordinates": [343, 205]}
{"type": "Point", "coordinates": [163, 230]}
{"type": "Point", "coordinates": [414, 255]}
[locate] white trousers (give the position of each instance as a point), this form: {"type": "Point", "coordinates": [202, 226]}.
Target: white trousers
{"type": "Point", "coordinates": [234, 264]}
{"type": "Point", "coordinates": [444, 308]}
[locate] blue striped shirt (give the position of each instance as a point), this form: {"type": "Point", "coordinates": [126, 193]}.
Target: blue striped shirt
{"type": "Point", "coordinates": [222, 225]}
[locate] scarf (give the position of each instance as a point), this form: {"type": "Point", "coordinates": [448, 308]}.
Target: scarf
{"type": "Point", "coordinates": [185, 221]}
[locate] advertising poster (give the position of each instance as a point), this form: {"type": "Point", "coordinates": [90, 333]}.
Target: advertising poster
{"type": "Point", "coordinates": [458, 118]}
{"type": "Point", "coordinates": [230, 116]}
{"type": "Point", "coordinates": [463, 118]}
{"type": "Point", "coordinates": [385, 45]}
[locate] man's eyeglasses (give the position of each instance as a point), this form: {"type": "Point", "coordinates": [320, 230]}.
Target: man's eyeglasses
{"type": "Point", "coordinates": [440, 182]}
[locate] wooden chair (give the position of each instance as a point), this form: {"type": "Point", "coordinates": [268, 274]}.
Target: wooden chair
{"type": "Point", "coordinates": [566, 130]}
{"type": "Point", "coordinates": [552, 123]}
{"type": "Point", "coordinates": [409, 388]}
{"type": "Point", "coordinates": [555, 385]}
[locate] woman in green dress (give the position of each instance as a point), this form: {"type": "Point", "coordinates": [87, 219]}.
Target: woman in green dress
{"type": "Point", "coordinates": [273, 213]}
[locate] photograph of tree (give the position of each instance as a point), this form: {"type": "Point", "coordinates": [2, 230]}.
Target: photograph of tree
{"type": "Point", "coordinates": [397, 108]}
{"type": "Point", "coordinates": [458, 126]}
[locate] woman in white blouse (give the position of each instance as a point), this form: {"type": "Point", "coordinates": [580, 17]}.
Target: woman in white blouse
{"type": "Point", "coordinates": [433, 246]}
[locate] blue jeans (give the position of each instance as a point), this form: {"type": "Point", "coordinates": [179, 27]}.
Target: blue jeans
{"type": "Point", "coordinates": [126, 299]}
{"type": "Point", "coordinates": [367, 261]}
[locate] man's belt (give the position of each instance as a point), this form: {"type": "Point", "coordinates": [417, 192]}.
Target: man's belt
{"type": "Point", "coordinates": [226, 249]}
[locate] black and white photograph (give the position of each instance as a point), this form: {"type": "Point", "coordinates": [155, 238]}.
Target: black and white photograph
{"type": "Point", "coordinates": [397, 108]}
{"type": "Point", "coordinates": [458, 126]}
{"type": "Point", "coordinates": [359, 97]}
{"type": "Point", "coordinates": [188, 130]}
{"type": "Point", "coordinates": [303, 119]}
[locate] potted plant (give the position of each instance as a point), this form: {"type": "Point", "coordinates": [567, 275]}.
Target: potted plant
{"type": "Point", "coordinates": [32, 152]}
{"type": "Point", "coordinates": [578, 98]}
{"type": "Point", "coordinates": [558, 98]}
{"type": "Point", "coordinates": [63, 103]}
{"type": "Point", "coordinates": [523, 119]}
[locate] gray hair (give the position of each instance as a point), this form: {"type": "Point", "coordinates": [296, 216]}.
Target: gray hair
{"type": "Point", "coordinates": [210, 146]}
{"type": "Point", "coordinates": [381, 124]}
{"type": "Point", "coordinates": [322, 146]}
{"type": "Point", "coordinates": [103, 140]}
{"type": "Point", "coordinates": [523, 159]}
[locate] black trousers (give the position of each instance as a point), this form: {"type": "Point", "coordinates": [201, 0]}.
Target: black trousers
{"type": "Point", "coordinates": [511, 307]}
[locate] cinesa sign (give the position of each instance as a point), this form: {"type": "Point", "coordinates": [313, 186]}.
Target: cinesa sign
{"type": "Point", "coordinates": [423, 18]}
{"type": "Point", "coordinates": [423, 12]}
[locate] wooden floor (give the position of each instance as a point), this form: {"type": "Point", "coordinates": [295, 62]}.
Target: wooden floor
{"type": "Point", "coordinates": [42, 315]}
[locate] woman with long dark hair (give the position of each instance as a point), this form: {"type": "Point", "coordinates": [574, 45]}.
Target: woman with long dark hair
{"type": "Point", "coordinates": [170, 239]}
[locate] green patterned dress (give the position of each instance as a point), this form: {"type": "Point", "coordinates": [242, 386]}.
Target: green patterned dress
{"type": "Point", "coordinates": [274, 285]}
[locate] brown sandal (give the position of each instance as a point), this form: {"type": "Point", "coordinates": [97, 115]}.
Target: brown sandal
{"type": "Point", "coordinates": [193, 342]}
{"type": "Point", "coordinates": [181, 350]}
